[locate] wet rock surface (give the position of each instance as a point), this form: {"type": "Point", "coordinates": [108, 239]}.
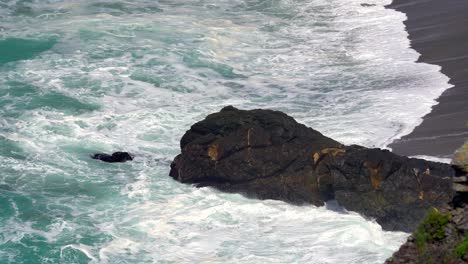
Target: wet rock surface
{"type": "Point", "coordinates": [442, 237]}
{"type": "Point", "coordinates": [268, 155]}
{"type": "Point", "coordinates": [114, 157]}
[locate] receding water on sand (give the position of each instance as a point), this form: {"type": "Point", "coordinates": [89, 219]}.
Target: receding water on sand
{"type": "Point", "coordinates": [79, 77]}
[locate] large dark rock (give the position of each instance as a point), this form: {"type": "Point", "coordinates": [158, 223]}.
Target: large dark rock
{"type": "Point", "coordinates": [268, 155]}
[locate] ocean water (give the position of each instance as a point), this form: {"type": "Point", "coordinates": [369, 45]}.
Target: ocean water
{"type": "Point", "coordinates": [78, 77]}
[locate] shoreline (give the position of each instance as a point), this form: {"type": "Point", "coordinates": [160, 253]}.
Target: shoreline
{"type": "Point", "coordinates": [437, 30]}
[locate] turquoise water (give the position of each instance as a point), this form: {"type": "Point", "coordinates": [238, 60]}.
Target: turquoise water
{"type": "Point", "coordinates": [15, 49]}
{"type": "Point", "coordinates": [79, 77]}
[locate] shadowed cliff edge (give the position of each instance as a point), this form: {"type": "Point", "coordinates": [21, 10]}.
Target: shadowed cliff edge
{"type": "Point", "coordinates": [442, 237]}
{"type": "Point", "coordinates": [268, 155]}
{"type": "Point", "coordinates": [438, 30]}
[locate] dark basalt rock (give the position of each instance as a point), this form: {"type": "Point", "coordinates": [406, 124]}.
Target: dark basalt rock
{"type": "Point", "coordinates": [115, 157]}
{"type": "Point", "coordinates": [442, 237]}
{"type": "Point", "coordinates": [268, 155]}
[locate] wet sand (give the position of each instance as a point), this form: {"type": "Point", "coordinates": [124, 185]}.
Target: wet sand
{"type": "Point", "coordinates": [438, 29]}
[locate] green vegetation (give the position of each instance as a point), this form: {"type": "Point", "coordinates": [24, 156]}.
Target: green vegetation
{"type": "Point", "coordinates": [462, 249]}
{"type": "Point", "coordinates": [432, 228]}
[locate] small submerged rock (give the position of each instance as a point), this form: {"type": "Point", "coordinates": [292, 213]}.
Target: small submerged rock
{"type": "Point", "coordinates": [115, 157]}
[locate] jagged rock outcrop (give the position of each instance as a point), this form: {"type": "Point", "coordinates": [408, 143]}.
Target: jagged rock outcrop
{"type": "Point", "coordinates": [460, 161]}
{"type": "Point", "coordinates": [268, 155]}
{"type": "Point", "coordinates": [460, 157]}
{"type": "Point", "coordinates": [460, 184]}
{"type": "Point", "coordinates": [442, 237]}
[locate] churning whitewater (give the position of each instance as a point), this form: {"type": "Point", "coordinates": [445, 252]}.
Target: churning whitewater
{"type": "Point", "coordinates": [78, 77]}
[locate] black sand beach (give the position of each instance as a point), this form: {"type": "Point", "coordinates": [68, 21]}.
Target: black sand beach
{"type": "Point", "coordinates": [438, 29]}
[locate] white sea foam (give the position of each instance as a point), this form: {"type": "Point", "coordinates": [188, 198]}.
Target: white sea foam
{"type": "Point", "coordinates": [86, 250]}
{"type": "Point", "coordinates": [341, 68]}
{"type": "Point", "coordinates": [206, 226]}
{"type": "Point", "coordinates": [432, 158]}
